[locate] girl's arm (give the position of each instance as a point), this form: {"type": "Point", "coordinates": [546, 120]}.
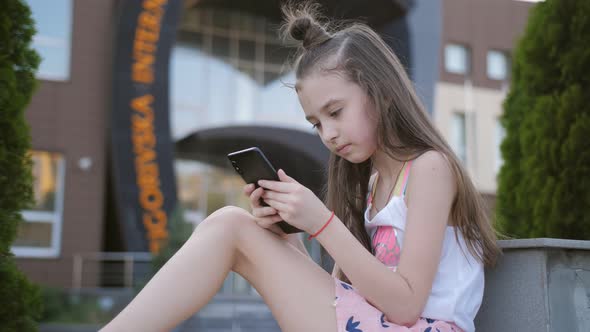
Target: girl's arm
{"type": "Point", "coordinates": [402, 295]}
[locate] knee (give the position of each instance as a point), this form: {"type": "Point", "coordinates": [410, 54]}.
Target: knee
{"type": "Point", "coordinates": [230, 218]}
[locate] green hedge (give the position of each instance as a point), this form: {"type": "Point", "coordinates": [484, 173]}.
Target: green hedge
{"type": "Point", "coordinates": [21, 301]}
{"type": "Point", "coordinates": [544, 184]}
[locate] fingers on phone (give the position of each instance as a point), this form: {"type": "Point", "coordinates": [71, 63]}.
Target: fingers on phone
{"type": "Point", "coordinates": [264, 221]}
{"type": "Point", "coordinates": [267, 224]}
{"type": "Point", "coordinates": [269, 211]}
{"type": "Point", "coordinates": [264, 212]}
{"type": "Point", "coordinates": [255, 197]}
{"type": "Point", "coordinates": [249, 188]}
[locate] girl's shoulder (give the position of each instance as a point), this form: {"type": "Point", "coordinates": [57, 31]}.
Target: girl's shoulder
{"type": "Point", "coordinates": [432, 167]}
{"type": "Point", "coordinates": [432, 159]}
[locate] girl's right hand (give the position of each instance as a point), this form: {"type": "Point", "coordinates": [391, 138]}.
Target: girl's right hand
{"type": "Point", "coordinates": [266, 216]}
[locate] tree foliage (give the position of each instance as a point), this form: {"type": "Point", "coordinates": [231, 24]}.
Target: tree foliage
{"type": "Point", "coordinates": [21, 302]}
{"type": "Point", "coordinates": [544, 183]}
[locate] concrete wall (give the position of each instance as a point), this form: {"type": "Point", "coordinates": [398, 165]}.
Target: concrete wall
{"type": "Point", "coordinates": [538, 285]}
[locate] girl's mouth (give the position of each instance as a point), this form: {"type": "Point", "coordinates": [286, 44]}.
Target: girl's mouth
{"type": "Point", "coordinates": [343, 148]}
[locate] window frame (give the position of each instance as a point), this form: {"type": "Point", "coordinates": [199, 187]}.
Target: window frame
{"type": "Point", "coordinates": [55, 218]}
{"type": "Point", "coordinates": [56, 77]}
{"type": "Point", "coordinates": [467, 63]}
{"type": "Point", "coordinates": [499, 137]}
{"type": "Point", "coordinates": [464, 158]}
{"type": "Point", "coordinates": [506, 56]}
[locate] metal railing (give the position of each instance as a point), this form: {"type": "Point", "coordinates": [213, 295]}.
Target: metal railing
{"type": "Point", "coordinates": [125, 274]}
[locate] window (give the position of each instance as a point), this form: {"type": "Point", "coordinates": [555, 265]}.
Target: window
{"type": "Point", "coordinates": [53, 21]}
{"type": "Point", "coordinates": [497, 65]}
{"type": "Point", "coordinates": [40, 234]}
{"type": "Point", "coordinates": [500, 134]}
{"type": "Point", "coordinates": [228, 68]}
{"type": "Point", "coordinates": [458, 136]}
{"type": "Point", "coordinates": [457, 59]}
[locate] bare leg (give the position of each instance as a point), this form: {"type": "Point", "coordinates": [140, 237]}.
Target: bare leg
{"type": "Point", "coordinates": [298, 292]}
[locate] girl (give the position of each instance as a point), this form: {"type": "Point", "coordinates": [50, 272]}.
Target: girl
{"type": "Point", "coordinates": [402, 220]}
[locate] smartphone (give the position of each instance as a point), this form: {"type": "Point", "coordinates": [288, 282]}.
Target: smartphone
{"type": "Point", "coordinates": [252, 165]}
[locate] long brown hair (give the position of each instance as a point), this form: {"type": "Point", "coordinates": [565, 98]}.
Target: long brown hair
{"type": "Point", "coordinates": [404, 130]}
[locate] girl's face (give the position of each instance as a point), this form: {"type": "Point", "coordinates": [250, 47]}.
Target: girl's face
{"type": "Point", "coordinates": [342, 114]}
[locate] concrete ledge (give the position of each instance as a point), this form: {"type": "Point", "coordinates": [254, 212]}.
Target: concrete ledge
{"type": "Point", "coordinates": [544, 243]}
{"type": "Point", "coordinates": [538, 285]}
{"type": "Point", "coordinates": [57, 327]}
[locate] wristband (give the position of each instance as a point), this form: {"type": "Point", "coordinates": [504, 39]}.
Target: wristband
{"type": "Point", "coordinates": [323, 227]}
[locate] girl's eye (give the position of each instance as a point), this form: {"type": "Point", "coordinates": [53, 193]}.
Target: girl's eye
{"type": "Point", "coordinates": [333, 114]}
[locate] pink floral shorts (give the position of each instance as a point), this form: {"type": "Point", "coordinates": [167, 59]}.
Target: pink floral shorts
{"type": "Point", "coordinates": [355, 314]}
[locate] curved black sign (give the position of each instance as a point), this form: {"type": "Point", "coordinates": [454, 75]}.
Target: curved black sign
{"type": "Point", "coordinates": [141, 143]}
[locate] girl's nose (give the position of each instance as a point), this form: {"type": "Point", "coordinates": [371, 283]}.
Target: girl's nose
{"type": "Point", "coordinates": [330, 135]}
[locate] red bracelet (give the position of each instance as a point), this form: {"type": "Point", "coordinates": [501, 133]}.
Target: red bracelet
{"type": "Point", "coordinates": [323, 227]}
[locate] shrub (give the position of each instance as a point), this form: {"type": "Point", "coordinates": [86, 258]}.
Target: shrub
{"type": "Point", "coordinates": [21, 300]}
{"type": "Point", "coordinates": [544, 184]}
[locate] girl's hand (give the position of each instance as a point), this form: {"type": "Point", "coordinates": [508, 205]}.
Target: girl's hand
{"type": "Point", "coordinates": [265, 216]}
{"type": "Point", "coordinates": [296, 204]}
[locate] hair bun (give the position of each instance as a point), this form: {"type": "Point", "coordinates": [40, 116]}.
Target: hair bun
{"type": "Point", "coordinates": [302, 25]}
{"type": "Point", "coordinates": [299, 28]}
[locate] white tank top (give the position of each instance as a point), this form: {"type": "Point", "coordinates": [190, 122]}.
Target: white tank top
{"type": "Point", "coordinates": [458, 286]}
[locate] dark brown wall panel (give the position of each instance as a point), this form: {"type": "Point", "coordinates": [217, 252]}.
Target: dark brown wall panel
{"type": "Point", "coordinates": [70, 117]}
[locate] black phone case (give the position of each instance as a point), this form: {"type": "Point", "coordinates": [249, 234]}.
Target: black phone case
{"type": "Point", "coordinates": [252, 165]}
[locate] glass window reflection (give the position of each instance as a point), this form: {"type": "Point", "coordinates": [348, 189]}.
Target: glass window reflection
{"type": "Point", "coordinates": [457, 59]}
{"type": "Point", "coordinates": [226, 74]}
{"type": "Point", "coordinates": [53, 21]}
{"type": "Point", "coordinates": [39, 234]}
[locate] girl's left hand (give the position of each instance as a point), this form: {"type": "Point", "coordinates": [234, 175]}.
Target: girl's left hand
{"type": "Point", "coordinates": [295, 203]}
